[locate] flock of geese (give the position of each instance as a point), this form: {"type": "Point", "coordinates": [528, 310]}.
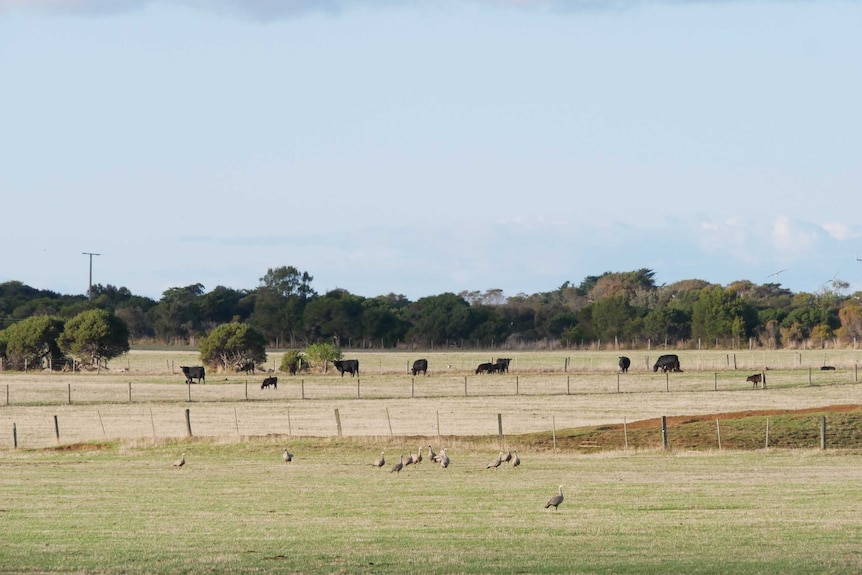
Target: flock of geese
{"type": "Point", "coordinates": [511, 456]}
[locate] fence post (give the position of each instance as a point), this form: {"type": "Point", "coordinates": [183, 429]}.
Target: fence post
{"type": "Point", "coordinates": [664, 432]}
{"type": "Point", "coordinates": [809, 376]}
{"type": "Point", "coordinates": [57, 428]}
{"type": "Point", "coordinates": [338, 422]}
{"type": "Point", "coordinates": [822, 432]}
{"type": "Point", "coordinates": [618, 383]}
{"type": "Point", "coordinates": [389, 421]}
{"type": "Point", "coordinates": [14, 435]}
{"type": "Point", "coordinates": [302, 387]}
{"type": "Point", "coordinates": [667, 381]}
{"type": "Point", "coordinates": [357, 389]}
{"type": "Point", "coordinates": [715, 381]}
{"type": "Point", "coordinates": [500, 428]}
{"type": "Point", "coordinates": [465, 386]}
{"type": "Point", "coordinates": [412, 386]}
{"type": "Point", "coordinates": [246, 389]}
{"type": "Point", "coordinates": [188, 423]}
{"type": "Point", "coordinates": [69, 385]}
{"type": "Point", "coordinates": [517, 392]}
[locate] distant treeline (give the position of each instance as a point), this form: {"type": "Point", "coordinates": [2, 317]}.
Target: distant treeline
{"type": "Point", "coordinates": [626, 309]}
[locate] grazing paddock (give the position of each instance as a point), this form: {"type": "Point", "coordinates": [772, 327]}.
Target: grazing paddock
{"type": "Point", "coordinates": [236, 507]}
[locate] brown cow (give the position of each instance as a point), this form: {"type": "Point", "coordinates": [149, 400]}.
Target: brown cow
{"type": "Point", "coordinates": [756, 378]}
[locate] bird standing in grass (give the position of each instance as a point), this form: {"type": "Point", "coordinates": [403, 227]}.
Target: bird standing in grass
{"type": "Point", "coordinates": [287, 456]}
{"type": "Point", "coordinates": [181, 461]}
{"type": "Point", "coordinates": [516, 461]}
{"type": "Point", "coordinates": [496, 463]}
{"type": "Point", "coordinates": [444, 459]}
{"type": "Point", "coordinates": [380, 461]}
{"type": "Point", "coordinates": [433, 456]}
{"type": "Point", "coordinates": [508, 456]}
{"type": "Point", "coordinates": [398, 466]}
{"type": "Point", "coordinates": [555, 500]}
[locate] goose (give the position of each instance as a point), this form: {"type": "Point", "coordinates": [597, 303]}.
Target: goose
{"type": "Point", "coordinates": [496, 463]}
{"type": "Point", "coordinates": [181, 461]}
{"type": "Point", "coordinates": [444, 459]}
{"type": "Point", "coordinates": [555, 500]}
{"type": "Point", "coordinates": [380, 461]}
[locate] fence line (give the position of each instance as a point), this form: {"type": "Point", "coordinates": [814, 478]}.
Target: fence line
{"type": "Point", "coordinates": [50, 393]}
{"type": "Point", "coordinates": [39, 430]}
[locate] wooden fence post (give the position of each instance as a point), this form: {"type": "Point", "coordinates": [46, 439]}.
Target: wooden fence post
{"type": "Point", "coordinates": [500, 428]}
{"type": "Point", "coordinates": [69, 389]}
{"type": "Point", "coordinates": [302, 387]}
{"type": "Point", "coordinates": [465, 386]}
{"type": "Point", "coordinates": [822, 432]}
{"type": "Point", "coordinates": [389, 421]}
{"type": "Point", "coordinates": [14, 435]}
{"type": "Point", "coordinates": [338, 422]}
{"type": "Point", "coordinates": [664, 432]}
{"type": "Point", "coordinates": [130, 392]}
{"type": "Point", "coordinates": [57, 428]}
{"type": "Point", "coordinates": [188, 423]}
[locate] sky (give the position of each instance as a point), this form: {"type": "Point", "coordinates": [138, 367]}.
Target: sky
{"type": "Point", "coordinates": [423, 147]}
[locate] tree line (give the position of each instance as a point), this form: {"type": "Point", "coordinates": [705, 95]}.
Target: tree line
{"type": "Point", "coordinates": [626, 309]}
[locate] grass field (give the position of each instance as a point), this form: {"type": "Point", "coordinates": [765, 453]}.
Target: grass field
{"type": "Point", "coordinates": [236, 507]}
{"type": "Point", "coordinates": [106, 499]}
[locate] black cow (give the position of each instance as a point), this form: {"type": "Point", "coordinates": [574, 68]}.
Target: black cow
{"type": "Point", "coordinates": [756, 379]}
{"type": "Point", "coordinates": [486, 368]}
{"type": "Point", "coordinates": [625, 363]}
{"type": "Point", "coordinates": [273, 381]}
{"type": "Point", "coordinates": [196, 372]}
{"type": "Point", "coordinates": [420, 365]}
{"type": "Point", "coordinates": [668, 362]}
{"type": "Point", "coordinates": [247, 367]}
{"type": "Point", "coordinates": [502, 364]}
{"type": "Point", "coordinates": [351, 366]}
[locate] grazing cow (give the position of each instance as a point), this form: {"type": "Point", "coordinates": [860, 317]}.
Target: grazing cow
{"type": "Point", "coordinates": [502, 364]}
{"type": "Point", "coordinates": [273, 381]}
{"type": "Point", "coordinates": [756, 379]}
{"type": "Point", "coordinates": [668, 362]}
{"type": "Point", "coordinates": [351, 366]}
{"type": "Point", "coordinates": [195, 372]}
{"type": "Point", "coordinates": [247, 367]}
{"type": "Point", "coordinates": [486, 368]}
{"type": "Point", "coordinates": [420, 365]}
{"type": "Point", "coordinates": [625, 363]}
{"type": "Point", "coordinates": [827, 368]}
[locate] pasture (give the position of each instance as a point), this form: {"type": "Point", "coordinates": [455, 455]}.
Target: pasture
{"type": "Point", "coordinates": [236, 507]}
{"type": "Point", "coordinates": [104, 497]}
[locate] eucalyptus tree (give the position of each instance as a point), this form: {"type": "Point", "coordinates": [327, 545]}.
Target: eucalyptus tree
{"type": "Point", "coordinates": [279, 303]}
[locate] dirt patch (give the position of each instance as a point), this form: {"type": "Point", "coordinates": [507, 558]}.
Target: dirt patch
{"type": "Point", "coordinates": [679, 420]}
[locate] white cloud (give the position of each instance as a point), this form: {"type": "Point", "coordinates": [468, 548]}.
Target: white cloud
{"type": "Point", "coordinates": [840, 231]}
{"type": "Point", "coordinates": [788, 236]}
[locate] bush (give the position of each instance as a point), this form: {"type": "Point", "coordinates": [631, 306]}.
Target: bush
{"type": "Point", "coordinates": [319, 355]}
{"type": "Point", "coordinates": [291, 361]}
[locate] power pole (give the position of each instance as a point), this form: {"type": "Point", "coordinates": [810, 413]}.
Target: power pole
{"type": "Point", "coordinates": [90, 286]}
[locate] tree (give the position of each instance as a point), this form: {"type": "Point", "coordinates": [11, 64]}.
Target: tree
{"type": "Point", "coordinates": [720, 314]}
{"type": "Point", "coordinates": [95, 336]}
{"type": "Point", "coordinates": [320, 354]}
{"type": "Point", "coordinates": [280, 301]}
{"type": "Point", "coordinates": [31, 341]}
{"type": "Point", "coordinates": [233, 344]}
{"type": "Point", "coordinates": [178, 313]}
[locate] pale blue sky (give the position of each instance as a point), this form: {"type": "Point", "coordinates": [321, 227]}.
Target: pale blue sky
{"type": "Point", "coordinates": [424, 147]}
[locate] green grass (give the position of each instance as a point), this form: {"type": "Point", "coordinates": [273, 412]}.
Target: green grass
{"type": "Point", "coordinates": [235, 507]}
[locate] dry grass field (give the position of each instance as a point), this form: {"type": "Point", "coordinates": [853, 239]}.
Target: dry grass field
{"type": "Point", "coordinates": [143, 395]}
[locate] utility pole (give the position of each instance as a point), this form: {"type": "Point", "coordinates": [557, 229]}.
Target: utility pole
{"type": "Point", "coordinates": [90, 286]}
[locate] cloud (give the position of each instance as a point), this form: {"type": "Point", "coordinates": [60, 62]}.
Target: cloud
{"type": "Point", "coordinates": [840, 231]}
{"type": "Point", "coordinates": [788, 236]}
